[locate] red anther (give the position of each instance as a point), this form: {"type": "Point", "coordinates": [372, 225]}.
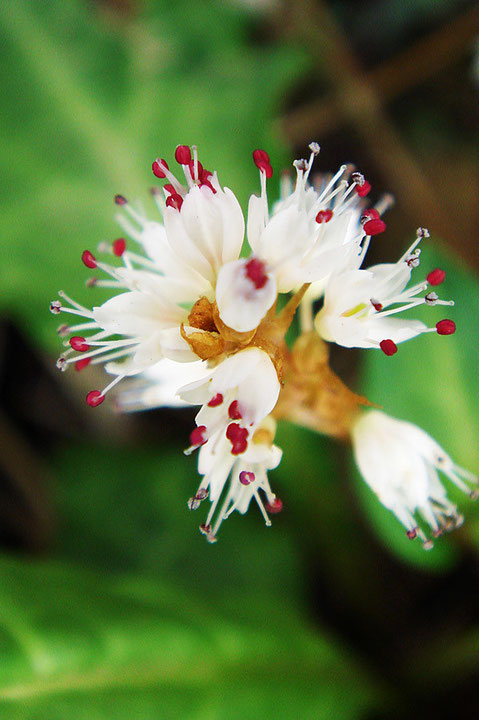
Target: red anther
{"type": "Point", "coordinates": [267, 169]}
{"type": "Point", "coordinates": [79, 344]}
{"type": "Point", "coordinates": [170, 188]}
{"type": "Point", "coordinates": [81, 364]}
{"type": "Point", "coordinates": [262, 162]}
{"type": "Point", "coordinates": [324, 216]}
{"type": "Point", "coordinates": [206, 183]}
{"type": "Point", "coordinates": [246, 478]}
{"type": "Point", "coordinates": [94, 398]}
{"type": "Point", "coordinates": [256, 272]}
{"type": "Point", "coordinates": [204, 175]}
{"type": "Point", "coordinates": [274, 507]}
{"type": "Point", "coordinates": [175, 201]}
{"type": "Point", "coordinates": [446, 327]}
{"type": "Point", "coordinates": [119, 247]}
{"type": "Point", "coordinates": [362, 185]}
{"type": "Point", "coordinates": [234, 412]}
{"type": "Point", "coordinates": [370, 214]}
{"type": "Point", "coordinates": [436, 277]}
{"type": "Point", "coordinates": [183, 155]}
{"type": "Point", "coordinates": [374, 226]}
{"type": "Point", "coordinates": [412, 534]}
{"type": "Point", "coordinates": [260, 157]}
{"type": "Point", "coordinates": [191, 165]}
{"type": "Point", "coordinates": [158, 166]}
{"type": "Point", "coordinates": [376, 305]}
{"type": "Point", "coordinates": [198, 436]}
{"type": "Point", "coordinates": [216, 400]}
{"type": "Point", "coordinates": [89, 259]}
{"type": "Point", "coordinates": [388, 347]}
{"type": "Point", "coordinates": [120, 200]}
{"type": "Point", "coordinates": [237, 437]}
{"type": "Point", "coordinates": [205, 529]}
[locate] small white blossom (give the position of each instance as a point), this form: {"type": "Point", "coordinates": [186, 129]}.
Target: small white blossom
{"type": "Point", "coordinates": [311, 233]}
{"type": "Point", "coordinates": [401, 464]}
{"type": "Point", "coordinates": [360, 305]}
{"type": "Point", "coordinates": [247, 475]}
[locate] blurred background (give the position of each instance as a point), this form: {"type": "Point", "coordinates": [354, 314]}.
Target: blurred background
{"type": "Point", "coordinates": [111, 603]}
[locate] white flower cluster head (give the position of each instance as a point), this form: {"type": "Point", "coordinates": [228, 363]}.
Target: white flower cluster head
{"type": "Point", "coordinates": [195, 312]}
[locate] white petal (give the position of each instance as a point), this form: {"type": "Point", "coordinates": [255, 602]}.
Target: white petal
{"type": "Point", "coordinates": [241, 304]}
{"type": "Point", "coordinates": [137, 314]}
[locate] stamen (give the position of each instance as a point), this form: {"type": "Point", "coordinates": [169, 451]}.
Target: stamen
{"type": "Point", "coordinates": [175, 201]}
{"type": "Point", "coordinates": [374, 226]}
{"type": "Point", "coordinates": [119, 247]}
{"type": "Point", "coordinates": [183, 155]}
{"type": "Point", "coordinates": [233, 411]}
{"type": "Point", "coordinates": [79, 344]}
{"type": "Point", "coordinates": [195, 501]}
{"type": "Point", "coordinates": [94, 398]}
{"type": "Point", "coordinates": [262, 162]}
{"type": "Point", "coordinates": [362, 185]}
{"type": "Point", "coordinates": [331, 183]}
{"type": "Point", "coordinates": [61, 363]}
{"type": "Point", "coordinates": [255, 270]}
{"type": "Point", "coordinates": [436, 277]}
{"type": "Point", "coordinates": [446, 327]}
{"type": "Point", "coordinates": [198, 437]}
{"type": "Point", "coordinates": [158, 168]}
{"type": "Point", "coordinates": [120, 200]}
{"type": "Point", "coordinates": [237, 436]}
{"type": "Point", "coordinates": [81, 364]}
{"type": "Point", "coordinates": [274, 506]}
{"type": "Point", "coordinates": [55, 307]}
{"type": "Point", "coordinates": [246, 478]}
{"type": "Point", "coordinates": [89, 259]}
{"type": "Point", "coordinates": [324, 216]}
{"type": "Point", "coordinates": [388, 347]}
{"type": "Point", "coordinates": [422, 232]}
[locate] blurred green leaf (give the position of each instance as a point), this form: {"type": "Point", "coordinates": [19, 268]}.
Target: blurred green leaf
{"type": "Point", "coordinates": [78, 645]}
{"type": "Point", "coordinates": [432, 381]}
{"type": "Point", "coordinates": [125, 510]}
{"type": "Point", "coordinates": [89, 100]}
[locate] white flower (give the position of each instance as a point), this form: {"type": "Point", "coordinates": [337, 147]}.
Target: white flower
{"type": "Point", "coordinates": [359, 305]}
{"type": "Point", "coordinates": [310, 234]}
{"type": "Point", "coordinates": [400, 463]}
{"type": "Point", "coordinates": [188, 312]}
{"type": "Point", "coordinates": [239, 393]}
{"type": "Point", "coordinates": [247, 475]}
{"type": "Point", "coordinates": [204, 229]}
{"type": "Point", "coordinates": [237, 398]}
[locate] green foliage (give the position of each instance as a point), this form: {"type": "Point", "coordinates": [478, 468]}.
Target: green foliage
{"type": "Point", "coordinates": [80, 645]}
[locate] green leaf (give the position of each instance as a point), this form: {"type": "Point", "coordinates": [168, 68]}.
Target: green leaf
{"type": "Point", "coordinates": [125, 509]}
{"type": "Point", "coordinates": [80, 645]}
{"type": "Point", "coordinates": [432, 381]}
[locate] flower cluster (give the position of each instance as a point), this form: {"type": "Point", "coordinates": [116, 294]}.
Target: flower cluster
{"type": "Point", "coordinates": [197, 315]}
